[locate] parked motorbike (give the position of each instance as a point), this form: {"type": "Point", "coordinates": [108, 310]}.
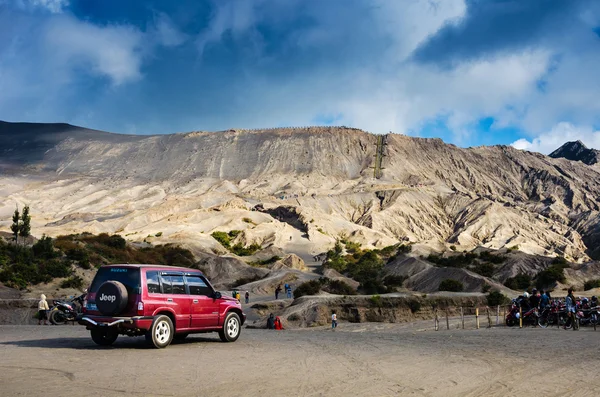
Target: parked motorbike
{"type": "Point", "coordinates": [550, 315]}
{"type": "Point", "coordinates": [530, 316]}
{"type": "Point", "coordinates": [65, 311]}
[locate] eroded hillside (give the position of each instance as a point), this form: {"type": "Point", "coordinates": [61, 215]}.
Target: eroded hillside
{"type": "Point", "coordinates": [309, 185]}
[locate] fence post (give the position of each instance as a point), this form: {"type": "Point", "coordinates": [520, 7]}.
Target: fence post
{"type": "Point", "coordinates": [447, 322]}
{"type": "Point", "coordinates": [477, 317]}
{"type": "Point", "coordinates": [489, 318]}
{"type": "Point", "coordinates": [462, 317]}
{"type": "Point", "coordinates": [520, 317]}
{"type": "Point", "coordinates": [436, 321]}
{"type": "Point", "coordinates": [498, 315]}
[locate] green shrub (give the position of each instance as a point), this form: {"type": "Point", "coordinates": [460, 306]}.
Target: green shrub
{"type": "Point", "coordinates": [591, 284]}
{"type": "Point", "coordinates": [222, 238]}
{"type": "Point", "coordinates": [233, 233]}
{"type": "Point", "coordinates": [44, 249]}
{"type": "Point", "coordinates": [520, 282]}
{"type": "Point", "coordinates": [376, 301]}
{"type": "Point", "coordinates": [265, 262]}
{"type": "Point", "coordinates": [246, 280]}
{"type": "Point", "coordinates": [394, 280]}
{"type": "Point", "coordinates": [453, 247]}
{"type": "Point", "coordinates": [555, 273]}
{"type": "Point", "coordinates": [248, 220]}
{"type": "Point", "coordinates": [55, 268]}
{"type": "Point", "coordinates": [485, 269]}
{"type": "Point", "coordinates": [414, 305]}
{"type": "Point", "coordinates": [311, 287]}
{"type": "Point", "coordinates": [240, 250]}
{"type": "Point", "coordinates": [496, 298]}
{"type": "Point", "coordinates": [489, 257]}
{"type": "Point", "coordinates": [485, 288]}
{"type": "Point", "coordinates": [337, 287]}
{"type": "Point", "coordinates": [352, 247]}
{"type": "Point", "coordinates": [158, 234]}
{"type": "Point", "coordinates": [78, 254]}
{"type": "Point", "coordinates": [451, 285]}
{"type": "Point", "coordinates": [72, 282]}
{"type": "Point", "coordinates": [459, 261]}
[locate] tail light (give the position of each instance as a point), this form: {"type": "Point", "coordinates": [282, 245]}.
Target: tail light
{"type": "Point", "coordinates": [140, 308]}
{"type": "Point", "coordinates": [84, 305]}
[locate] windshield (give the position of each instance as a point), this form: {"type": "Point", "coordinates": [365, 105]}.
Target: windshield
{"type": "Point", "coordinates": [129, 276]}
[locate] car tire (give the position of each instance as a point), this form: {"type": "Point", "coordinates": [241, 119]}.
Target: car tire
{"type": "Point", "coordinates": [180, 337]}
{"type": "Point", "coordinates": [231, 328]}
{"type": "Point", "coordinates": [104, 337]}
{"type": "Point", "coordinates": [161, 332]}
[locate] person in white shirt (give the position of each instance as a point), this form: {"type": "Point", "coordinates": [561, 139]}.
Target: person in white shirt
{"type": "Point", "coordinates": [43, 310]}
{"type": "Point", "coordinates": [333, 320]}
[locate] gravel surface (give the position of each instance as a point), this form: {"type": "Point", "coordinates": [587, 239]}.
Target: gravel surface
{"type": "Point", "coordinates": [372, 359]}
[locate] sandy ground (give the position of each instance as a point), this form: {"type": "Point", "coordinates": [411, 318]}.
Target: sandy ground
{"type": "Point", "coordinates": [355, 360]}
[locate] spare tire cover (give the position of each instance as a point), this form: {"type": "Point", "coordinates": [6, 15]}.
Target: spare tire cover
{"type": "Point", "coordinates": [111, 298]}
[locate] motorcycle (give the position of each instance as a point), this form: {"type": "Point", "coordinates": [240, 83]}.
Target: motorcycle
{"type": "Point", "coordinates": [550, 315]}
{"type": "Point", "coordinates": [530, 316]}
{"type": "Point", "coordinates": [65, 311]}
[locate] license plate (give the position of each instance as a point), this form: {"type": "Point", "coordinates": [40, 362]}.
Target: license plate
{"type": "Point", "coordinates": [91, 306]}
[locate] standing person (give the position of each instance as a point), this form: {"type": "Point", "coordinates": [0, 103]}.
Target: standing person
{"type": "Point", "coordinates": [570, 303]}
{"type": "Point", "coordinates": [544, 300]}
{"type": "Point", "coordinates": [247, 297]}
{"type": "Point", "coordinates": [43, 310]}
{"type": "Point", "coordinates": [288, 291]}
{"type": "Point", "coordinates": [333, 320]}
{"type": "Point", "coordinates": [277, 291]}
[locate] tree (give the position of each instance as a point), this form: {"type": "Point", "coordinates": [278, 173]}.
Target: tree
{"type": "Point", "coordinates": [16, 224]}
{"type": "Point", "coordinates": [25, 226]}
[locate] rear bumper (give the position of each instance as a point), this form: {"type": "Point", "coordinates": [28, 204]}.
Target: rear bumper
{"type": "Point", "coordinates": [137, 322]}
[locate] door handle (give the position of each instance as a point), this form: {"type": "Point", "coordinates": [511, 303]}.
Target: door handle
{"type": "Point", "coordinates": [169, 300]}
{"type": "Point", "coordinates": [195, 300]}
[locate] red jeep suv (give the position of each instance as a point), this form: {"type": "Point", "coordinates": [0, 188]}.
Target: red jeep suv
{"type": "Point", "coordinates": [160, 302]}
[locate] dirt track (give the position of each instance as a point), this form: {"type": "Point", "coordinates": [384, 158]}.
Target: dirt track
{"type": "Point", "coordinates": [356, 360]}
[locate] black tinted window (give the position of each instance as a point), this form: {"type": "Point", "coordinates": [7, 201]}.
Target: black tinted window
{"type": "Point", "coordinates": [129, 276]}
{"type": "Point", "coordinates": [198, 286]}
{"type": "Point", "coordinates": [152, 282]}
{"type": "Point", "coordinates": [177, 285]}
{"type": "Point", "coordinates": [166, 284]}
{"type": "Point", "coordinates": [173, 284]}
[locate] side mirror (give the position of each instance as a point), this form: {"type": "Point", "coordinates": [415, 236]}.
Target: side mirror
{"type": "Point", "coordinates": [217, 295]}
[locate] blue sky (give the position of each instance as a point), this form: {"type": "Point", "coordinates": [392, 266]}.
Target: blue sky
{"type": "Point", "coordinates": [473, 72]}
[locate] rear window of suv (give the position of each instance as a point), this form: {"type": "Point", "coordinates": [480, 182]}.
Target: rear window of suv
{"type": "Point", "coordinates": [129, 276]}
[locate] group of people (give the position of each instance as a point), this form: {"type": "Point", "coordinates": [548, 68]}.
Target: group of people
{"type": "Point", "coordinates": [274, 322]}
{"type": "Point", "coordinates": [542, 299]}
{"type": "Point", "coordinates": [236, 294]}
{"type": "Point", "coordinates": [288, 290]}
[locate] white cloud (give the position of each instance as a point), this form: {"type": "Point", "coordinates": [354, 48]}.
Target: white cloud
{"type": "Point", "coordinates": [557, 136]}
{"type": "Point", "coordinates": [111, 51]}
{"type": "Point", "coordinates": [53, 6]}
{"type": "Point", "coordinates": [167, 32]}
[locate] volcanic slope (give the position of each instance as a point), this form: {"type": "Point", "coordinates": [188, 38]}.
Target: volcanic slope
{"type": "Point", "coordinates": [309, 186]}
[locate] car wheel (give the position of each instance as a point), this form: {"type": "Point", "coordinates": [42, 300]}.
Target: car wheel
{"type": "Point", "coordinates": [104, 337]}
{"type": "Point", "coordinates": [231, 328]}
{"type": "Point", "coordinates": [161, 332]}
{"type": "Point", "coordinates": [180, 337]}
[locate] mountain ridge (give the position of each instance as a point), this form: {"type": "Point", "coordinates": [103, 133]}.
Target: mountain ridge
{"type": "Point", "coordinates": [188, 185]}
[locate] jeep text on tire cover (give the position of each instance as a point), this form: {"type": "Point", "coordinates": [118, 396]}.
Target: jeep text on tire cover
{"type": "Point", "coordinates": [109, 298]}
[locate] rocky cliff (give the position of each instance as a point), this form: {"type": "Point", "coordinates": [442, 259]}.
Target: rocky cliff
{"type": "Point", "coordinates": [310, 185]}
